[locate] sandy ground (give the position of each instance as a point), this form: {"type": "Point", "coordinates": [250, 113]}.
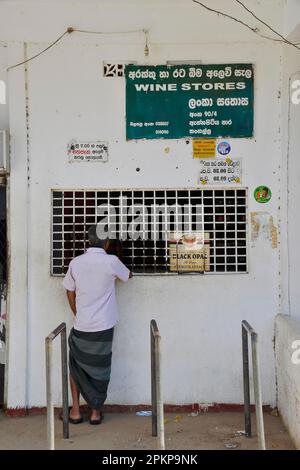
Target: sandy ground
{"type": "Point", "coordinates": [128, 431]}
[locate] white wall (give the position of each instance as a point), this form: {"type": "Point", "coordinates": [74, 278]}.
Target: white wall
{"type": "Point", "coordinates": [3, 79]}
{"type": "Point", "coordinates": [287, 338]}
{"type": "Point", "coordinates": [290, 194]}
{"type": "Point", "coordinates": [17, 376]}
{"type": "Point", "coordinates": [199, 316]}
{"type": "Point", "coordinates": [292, 21]}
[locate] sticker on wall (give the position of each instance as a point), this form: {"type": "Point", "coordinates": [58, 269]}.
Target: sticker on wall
{"type": "Point", "coordinates": [224, 148]}
{"type": "Point", "coordinates": [189, 252]}
{"type": "Point", "coordinates": [223, 171]}
{"type": "Point", "coordinates": [262, 194]}
{"type": "Point", "coordinates": [96, 151]}
{"type": "Point", "coordinates": [204, 148]}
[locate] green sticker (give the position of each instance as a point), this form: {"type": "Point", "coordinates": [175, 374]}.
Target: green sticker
{"type": "Point", "coordinates": [262, 194]}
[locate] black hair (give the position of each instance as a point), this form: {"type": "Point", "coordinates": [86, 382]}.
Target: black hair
{"type": "Point", "coordinates": [115, 248]}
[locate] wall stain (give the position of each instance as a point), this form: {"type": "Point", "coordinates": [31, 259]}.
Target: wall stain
{"type": "Point", "coordinates": [263, 228]}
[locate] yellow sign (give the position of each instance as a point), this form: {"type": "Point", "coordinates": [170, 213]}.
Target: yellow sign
{"type": "Point", "coordinates": [189, 252]}
{"type": "Point", "coordinates": [189, 260]}
{"type": "Point", "coordinates": [204, 148]}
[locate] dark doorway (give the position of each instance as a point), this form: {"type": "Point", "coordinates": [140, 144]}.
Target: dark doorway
{"type": "Point", "coordinates": [3, 287]}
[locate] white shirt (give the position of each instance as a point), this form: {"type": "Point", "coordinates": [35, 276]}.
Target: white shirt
{"type": "Point", "coordinates": [93, 276]}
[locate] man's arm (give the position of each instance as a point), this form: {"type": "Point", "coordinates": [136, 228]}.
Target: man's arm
{"type": "Point", "coordinates": [119, 269]}
{"type": "Point", "coordinates": [72, 300]}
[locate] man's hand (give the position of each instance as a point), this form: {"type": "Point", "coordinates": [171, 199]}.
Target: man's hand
{"type": "Point", "coordinates": [72, 300]}
{"type": "Point", "coordinates": [130, 275]}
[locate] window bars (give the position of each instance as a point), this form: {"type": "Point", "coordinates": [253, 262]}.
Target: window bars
{"type": "Point", "coordinates": [144, 219]}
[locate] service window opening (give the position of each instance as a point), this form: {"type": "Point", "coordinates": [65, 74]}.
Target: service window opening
{"type": "Point", "coordinates": [148, 222]}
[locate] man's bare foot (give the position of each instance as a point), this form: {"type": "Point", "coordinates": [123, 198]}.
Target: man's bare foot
{"type": "Point", "coordinates": [96, 417]}
{"type": "Point", "coordinates": [95, 414]}
{"type": "Point", "coordinates": [74, 416]}
{"type": "Point", "coordinates": [74, 413]}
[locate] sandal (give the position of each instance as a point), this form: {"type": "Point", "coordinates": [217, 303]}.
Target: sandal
{"type": "Point", "coordinates": [72, 420]}
{"type": "Point", "coordinates": [75, 420]}
{"type": "Point", "coordinates": [96, 421]}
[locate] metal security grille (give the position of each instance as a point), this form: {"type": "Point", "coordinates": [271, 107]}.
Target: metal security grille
{"type": "Point", "coordinates": [223, 212]}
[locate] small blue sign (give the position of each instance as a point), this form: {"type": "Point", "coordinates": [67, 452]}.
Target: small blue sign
{"type": "Point", "coordinates": [224, 148]}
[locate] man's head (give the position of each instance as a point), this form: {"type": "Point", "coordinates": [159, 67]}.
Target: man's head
{"type": "Point", "coordinates": [264, 192]}
{"type": "Point", "coordinates": [94, 240]}
{"type": "Point", "coordinates": [114, 247]}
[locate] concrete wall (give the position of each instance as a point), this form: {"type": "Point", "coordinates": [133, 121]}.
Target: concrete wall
{"type": "Point", "coordinates": [3, 80]}
{"type": "Point", "coordinates": [287, 348]}
{"type": "Point", "coordinates": [292, 29]}
{"type": "Point", "coordinates": [290, 191]}
{"type": "Point", "coordinates": [199, 317]}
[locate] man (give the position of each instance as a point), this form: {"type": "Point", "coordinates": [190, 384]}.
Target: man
{"type": "Point", "coordinates": [90, 285]}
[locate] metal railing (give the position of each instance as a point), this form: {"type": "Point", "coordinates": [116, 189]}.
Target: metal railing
{"type": "Point", "coordinates": [61, 329]}
{"type": "Point", "coordinates": [247, 329]}
{"type": "Point", "coordinates": [158, 427]}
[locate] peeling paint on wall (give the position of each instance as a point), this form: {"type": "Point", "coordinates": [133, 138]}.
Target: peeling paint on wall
{"type": "Point", "coordinates": [263, 228]}
{"type": "Point", "coordinates": [273, 233]}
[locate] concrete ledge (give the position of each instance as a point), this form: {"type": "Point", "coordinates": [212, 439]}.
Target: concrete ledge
{"type": "Point", "coordinates": [287, 330]}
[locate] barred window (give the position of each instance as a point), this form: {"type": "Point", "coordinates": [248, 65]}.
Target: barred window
{"type": "Point", "coordinates": [145, 220]}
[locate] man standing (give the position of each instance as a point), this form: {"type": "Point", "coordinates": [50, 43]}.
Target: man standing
{"type": "Point", "coordinates": [90, 285]}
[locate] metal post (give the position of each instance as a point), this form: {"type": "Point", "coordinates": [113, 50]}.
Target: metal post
{"type": "Point", "coordinates": [246, 382]}
{"type": "Point", "coordinates": [156, 392]}
{"type": "Point", "coordinates": [160, 405]}
{"type": "Point", "coordinates": [64, 373]}
{"type": "Point", "coordinates": [153, 382]}
{"type": "Point", "coordinates": [50, 410]}
{"type": "Point", "coordinates": [257, 393]}
{"type": "Point", "coordinates": [247, 329]}
{"type": "Point", "coordinates": [61, 329]}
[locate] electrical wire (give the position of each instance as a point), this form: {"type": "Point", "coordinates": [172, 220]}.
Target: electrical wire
{"type": "Point", "coordinates": [72, 30]}
{"type": "Point", "coordinates": [109, 32]}
{"type": "Point", "coordinates": [42, 52]}
{"type": "Point", "coordinates": [267, 25]}
{"type": "Point", "coordinates": [226, 15]}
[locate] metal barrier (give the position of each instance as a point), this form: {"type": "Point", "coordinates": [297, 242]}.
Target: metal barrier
{"type": "Point", "coordinates": [247, 329]}
{"type": "Point", "coordinates": [158, 427]}
{"type": "Point", "coordinates": [61, 329]}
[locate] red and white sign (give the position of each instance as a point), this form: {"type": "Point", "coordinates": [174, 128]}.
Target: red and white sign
{"type": "Point", "coordinates": [88, 151]}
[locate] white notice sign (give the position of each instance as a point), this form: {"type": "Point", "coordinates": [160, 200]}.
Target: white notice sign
{"type": "Point", "coordinates": [88, 151]}
{"type": "Point", "coordinates": [220, 171]}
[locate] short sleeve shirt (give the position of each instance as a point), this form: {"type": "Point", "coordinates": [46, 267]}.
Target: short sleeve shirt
{"type": "Point", "coordinates": [92, 276]}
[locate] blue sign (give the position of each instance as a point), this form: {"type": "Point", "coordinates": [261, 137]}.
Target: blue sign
{"type": "Point", "coordinates": [223, 148]}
